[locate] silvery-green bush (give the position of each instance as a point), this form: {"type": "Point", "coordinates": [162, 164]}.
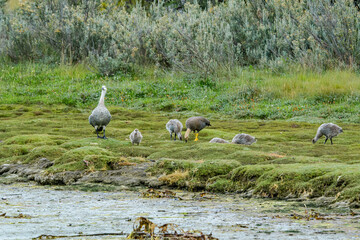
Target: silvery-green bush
{"type": "Point", "coordinates": [2, 28]}
{"type": "Point", "coordinates": [110, 38]}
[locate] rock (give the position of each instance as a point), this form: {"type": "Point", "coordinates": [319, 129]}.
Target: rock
{"type": "Point", "coordinates": [5, 168]}
{"type": "Point", "coordinates": [355, 205]}
{"type": "Point", "coordinates": [324, 201]}
{"type": "Point", "coordinates": [63, 178]}
{"type": "Point", "coordinates": [300, 199]}
{"type": "Point", "coordinates": [71, 176]}
{"type": "Point", "coordinates": [116, 177]}
{"type": "Point", "coordinates": [12, 176]}
{"type": "Point", "coordinates": [126, 176]}
{"type": "Point", "coordinates": [127, 181]}
{"type": "Point", "coordinates": [27, 172]}
{"type": "Point", "coordinates": [14, 168]}
{"type": "Point", "coordinates": [343, 204]}
{"type": "Point", "coordinates": [130, 176]}
{"type": "Point", "coordinates": [44, 163]}
{"type": "Point", "coordinates": [154, 182]}
{"type": "Point", "coordinates": [247, 194]}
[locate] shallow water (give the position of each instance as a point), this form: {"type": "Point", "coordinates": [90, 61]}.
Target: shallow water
{"type": "Point", "coordinates": [68, 213]}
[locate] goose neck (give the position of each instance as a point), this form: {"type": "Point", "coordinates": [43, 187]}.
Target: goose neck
{"type": "Point", "coordinates": [102, 97]}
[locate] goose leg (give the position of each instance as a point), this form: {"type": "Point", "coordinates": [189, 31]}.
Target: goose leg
{"type": "Point", "coordinates": [97, 133]}
{"type": "Point", "coordinates": [175, 137]}
{"type": "Point", "coordinates": [331, 141]}
{"type": "Point", "coordinates": [326, 140]}
{"type": "Point", "coordinates": [196, 136]}
{"type": "Point", "coordinates": [104, 137]}
{"type": "Point", "coordinates": [187, 134]}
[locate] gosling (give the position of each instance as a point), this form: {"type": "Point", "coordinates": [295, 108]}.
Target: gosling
{"type": "Point", "coordinates": [218, 140]}
{"type": "Point", "coordinates": [136, 137]}
{"type": "Point", "coordinates": [243, 139]}
{"type": "Point", "coordinates": [100, 116]}
{"type": "Point", "coordinates": [174, 126]}
{"type": "Point", "coordinates": [195, 124]}
{"type": "Point", "coordinates": [330, 130]}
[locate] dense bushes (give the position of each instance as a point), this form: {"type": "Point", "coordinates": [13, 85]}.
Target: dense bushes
{"type": "Point", "coordinates": [110, 37]}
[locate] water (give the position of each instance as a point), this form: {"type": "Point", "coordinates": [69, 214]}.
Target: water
{"type": "Point", "coordinates": [68, 213]}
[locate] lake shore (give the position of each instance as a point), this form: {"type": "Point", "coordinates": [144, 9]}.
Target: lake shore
{"type": "Point", "coordinates": [30, 211]}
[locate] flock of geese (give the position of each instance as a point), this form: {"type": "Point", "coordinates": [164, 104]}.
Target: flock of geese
{"type": "Point", "coordinates": [100, 118]}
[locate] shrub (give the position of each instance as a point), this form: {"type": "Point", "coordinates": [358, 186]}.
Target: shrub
{"type": "Point", "coordinates": [112, 36]}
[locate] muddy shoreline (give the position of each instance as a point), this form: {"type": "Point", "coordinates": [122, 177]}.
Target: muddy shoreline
{"type": "Point", "coordinates": [126, 178]}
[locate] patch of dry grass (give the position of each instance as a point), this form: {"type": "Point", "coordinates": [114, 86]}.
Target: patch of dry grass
{"type": "Point", "coordinates": [174, 177]}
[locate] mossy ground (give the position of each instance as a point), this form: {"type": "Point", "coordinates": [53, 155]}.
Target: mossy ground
{"type": "Point", "coordinates": [283, 161]}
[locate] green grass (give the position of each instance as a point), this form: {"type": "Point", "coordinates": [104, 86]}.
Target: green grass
{"type": "Point", "coordinates": [243, 94]}
{"type": "Point", "coordinates": [283, 161]}
{"type": "Point", "coordinates": [44, 113]}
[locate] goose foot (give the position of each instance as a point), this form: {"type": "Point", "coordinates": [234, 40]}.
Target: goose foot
{"type": "Point", "coordinates": [196, 137]}
{"type": "Point", "coordinates": [103, 137]}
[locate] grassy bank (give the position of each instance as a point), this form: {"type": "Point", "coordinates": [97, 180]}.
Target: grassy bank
{"type": "Point", "coordinates": [282, 163]}
{"type": "Point", "coordinates": [242, 94]}
{"type": "Point", "coordinates": [44, 111]}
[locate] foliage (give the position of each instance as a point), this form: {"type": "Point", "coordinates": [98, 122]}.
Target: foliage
{"type": "Point", "coordinates": [111, 37]}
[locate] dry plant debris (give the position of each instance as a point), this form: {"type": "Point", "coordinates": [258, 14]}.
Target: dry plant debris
{"type": "Point", "coordinates": [44, 236]}
{"type": "Point", "coordinates": [152, 193]}
{"type": "Point", "coordinates": [308, 215]}
{"type": "Point", "coordinates": [203, 196]}
{"type": "Point", "coordinates": [17, 216]}
{"type": "Point", "coordinates": [145, 229]}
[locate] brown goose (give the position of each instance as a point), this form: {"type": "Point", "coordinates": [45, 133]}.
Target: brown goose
{"type": "Point", "coordinates": [195, 124]}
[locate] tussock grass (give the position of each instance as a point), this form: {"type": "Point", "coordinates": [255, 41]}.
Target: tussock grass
{"type": "Point", "coordinates": [282, 163]}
